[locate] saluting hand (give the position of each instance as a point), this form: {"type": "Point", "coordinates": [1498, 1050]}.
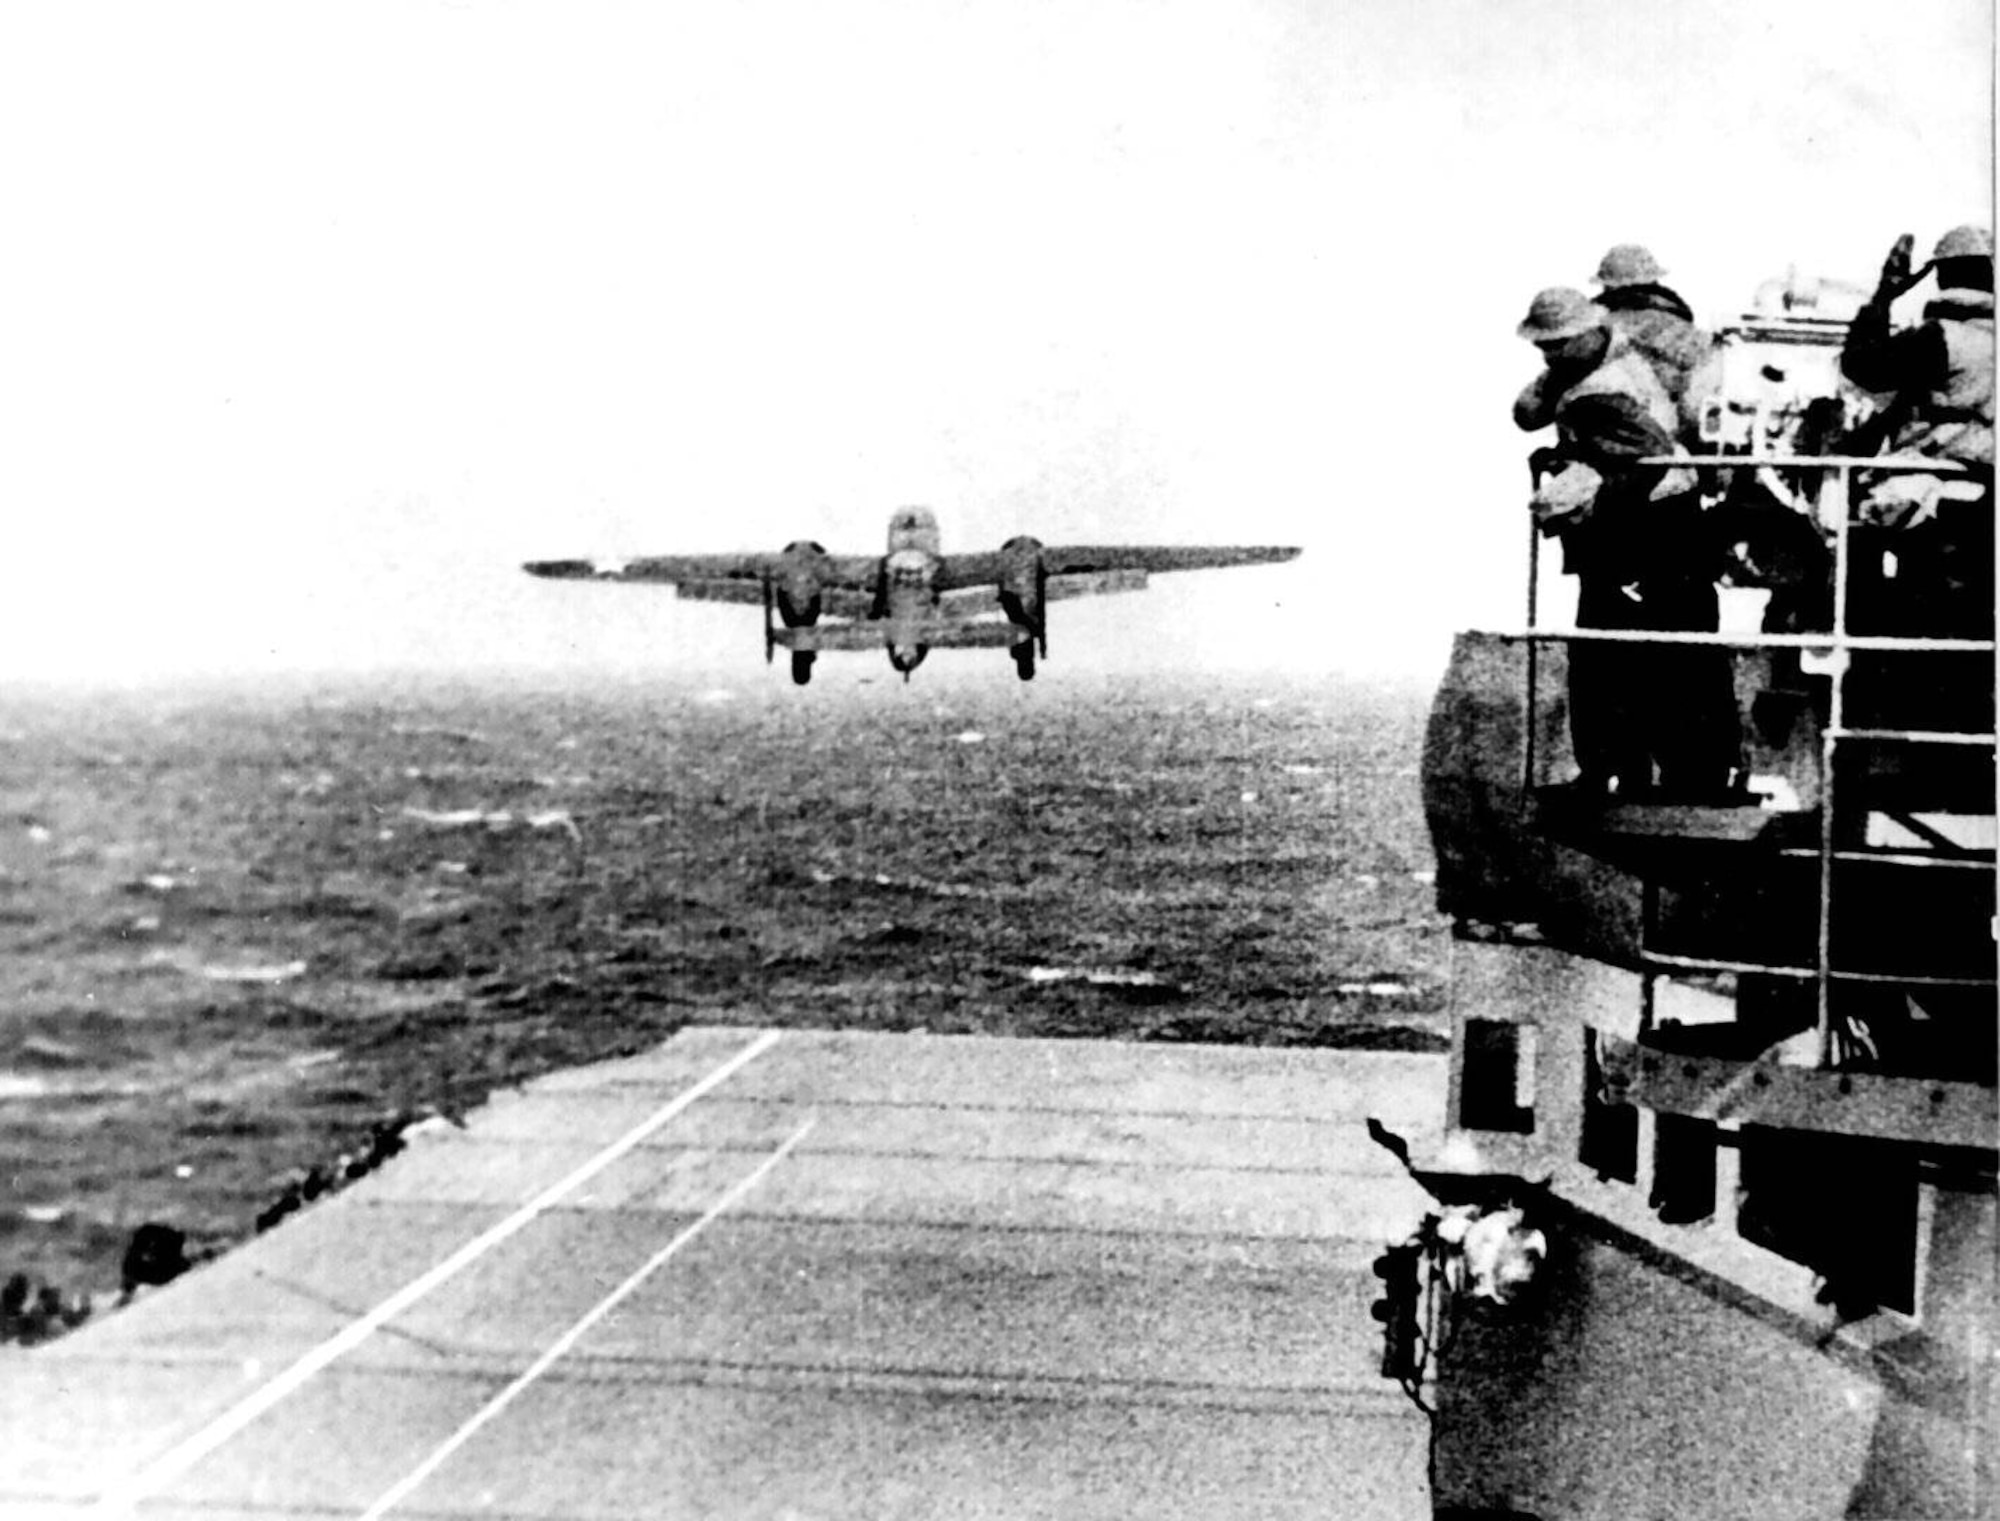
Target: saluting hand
{"type": "Point", "coordinates": [1896, 269]}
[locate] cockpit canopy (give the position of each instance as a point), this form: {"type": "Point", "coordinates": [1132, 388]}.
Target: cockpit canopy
{"type": "Point", "coordinates": [913, 528]}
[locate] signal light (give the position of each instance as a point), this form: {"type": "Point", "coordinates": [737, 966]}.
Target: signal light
{"type": "Point", "coordinates": [1397, 1309]}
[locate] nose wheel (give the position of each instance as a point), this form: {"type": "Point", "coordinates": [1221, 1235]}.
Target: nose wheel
{"type": "Point", "coordinates": [1024, 660]}
{"type": "Point", "coordinates": [802, 667]}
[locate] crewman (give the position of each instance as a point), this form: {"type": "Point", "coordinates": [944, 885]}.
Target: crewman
{"type": "Point", "coordinates": [1659, 719]}
{"type": "Point", "coordinates": [1941, 369]}
{"type": "Point", "coordinates": [1924, 543]}
{"type": "Point", "coordinates": [1656, 322]}
{"type": "Point", "coordinates": [1659, 324]}
{"type": "Point", "coordinates": [1939, 375]}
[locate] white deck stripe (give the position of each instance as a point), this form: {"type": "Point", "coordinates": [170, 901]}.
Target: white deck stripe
{"type": "Point", "coordinates": [123, 1498]}
{"type": "Point", "coordinates": [398, 1491]}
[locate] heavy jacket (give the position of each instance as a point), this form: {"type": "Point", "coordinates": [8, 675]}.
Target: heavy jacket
{"type": "Point", "coordinates": [1941, 372]}
{"type": "Point", "coordinates": [1657, 324]}
{"type": "Point", "coordinates": [1660, 326]}
{"type": "Point", "coordinates": [1607, 420]}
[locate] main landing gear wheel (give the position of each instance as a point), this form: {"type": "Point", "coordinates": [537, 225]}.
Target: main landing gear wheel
{"type": "Point", "coordinates": [1024, 661]}
{"type": "Point", "coordinates": [802, 667]}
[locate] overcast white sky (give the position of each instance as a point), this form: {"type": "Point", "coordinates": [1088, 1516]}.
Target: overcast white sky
{"type": "Point", "coordinates": [319, 320]}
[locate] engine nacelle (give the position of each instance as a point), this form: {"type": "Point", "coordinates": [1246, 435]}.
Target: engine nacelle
{"type": "Point", "coordinates": [799, 583]}
{"type": "Point", "coordinates": [1023, 586]}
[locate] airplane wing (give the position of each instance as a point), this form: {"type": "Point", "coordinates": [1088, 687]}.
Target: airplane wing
{"type": "Point", "coordinates": [1084, 559]}
{"type": "Point", "coordinates": [984, 597]}
{"type": "Point", "coordinates": [835, 601]}
{"type": "Point", "coordinates": [1111, 567]}
{"type": "Point", "coordinates": [941, 634]}
{"type": "Point", "coordinates": [970, 601]}
{"type": "Point", "coordinates": [717, 574]}
{"type": "Point", "coordinates": [989, 634]}
{"type": "Point", "coordinates": [832, 636]}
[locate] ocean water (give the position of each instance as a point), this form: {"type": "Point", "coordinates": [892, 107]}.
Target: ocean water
{"type": "Point", "coordinates": [244, 927]}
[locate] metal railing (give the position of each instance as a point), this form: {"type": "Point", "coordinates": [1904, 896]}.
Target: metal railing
{"type": "Point", "coordinates": [1834, 645]}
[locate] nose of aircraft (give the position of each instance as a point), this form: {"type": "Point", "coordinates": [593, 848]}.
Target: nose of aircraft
{"type": "Point", "coordinates": [911, 568]}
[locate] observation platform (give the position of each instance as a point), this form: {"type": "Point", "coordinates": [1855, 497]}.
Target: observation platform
{"type": "Point", "coordinates": [792, 1276]}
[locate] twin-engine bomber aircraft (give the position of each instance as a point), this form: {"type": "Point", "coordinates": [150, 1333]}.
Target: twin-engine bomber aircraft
{"type": "Point", "coordinates": [914, 598]}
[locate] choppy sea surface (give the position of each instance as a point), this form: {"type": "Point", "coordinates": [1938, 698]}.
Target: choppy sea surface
{"type": "Point", "coordinates": [246, 929]}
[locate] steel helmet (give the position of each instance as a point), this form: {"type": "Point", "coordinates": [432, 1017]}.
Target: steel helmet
{"type": "Point", "coordinates": [1560, 312]}
{"type": "Point", "coordinates": [1628, 264]}
{"type": "Point", "coordinates": [1967, 242]}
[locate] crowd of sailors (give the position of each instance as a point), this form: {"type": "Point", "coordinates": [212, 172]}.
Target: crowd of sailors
{"type": "Point", "coordinates": [1626, 377]}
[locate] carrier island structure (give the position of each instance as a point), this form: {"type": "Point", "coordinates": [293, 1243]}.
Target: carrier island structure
{"type": "Point", "coordinates": [1733, 1061]}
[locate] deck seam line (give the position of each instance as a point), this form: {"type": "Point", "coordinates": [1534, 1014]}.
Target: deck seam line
{"type": "Point", "coordinates": [1008, 1159]}
{"type": "Point", "coordinates": [1079, 1111]}
{"type": "Point", "coordinates": [876, 1222]}
{"type": "Point", "coordinates": [558, 1348]}
{"type": "Point", "coordinates": [122, 1498]}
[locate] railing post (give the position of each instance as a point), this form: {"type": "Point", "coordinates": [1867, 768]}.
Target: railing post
{"type": "Point", "coordinates": [1534, 659]}
{"type": "Point", "coordinates": [1829, 746]}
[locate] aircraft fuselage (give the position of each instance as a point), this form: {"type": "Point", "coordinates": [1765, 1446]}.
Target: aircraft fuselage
{"type": "Point", "coordinates": [907, 592]}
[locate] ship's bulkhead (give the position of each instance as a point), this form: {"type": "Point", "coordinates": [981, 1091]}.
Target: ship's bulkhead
{"type": "Point", "coordinates": [1739, 1056]}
